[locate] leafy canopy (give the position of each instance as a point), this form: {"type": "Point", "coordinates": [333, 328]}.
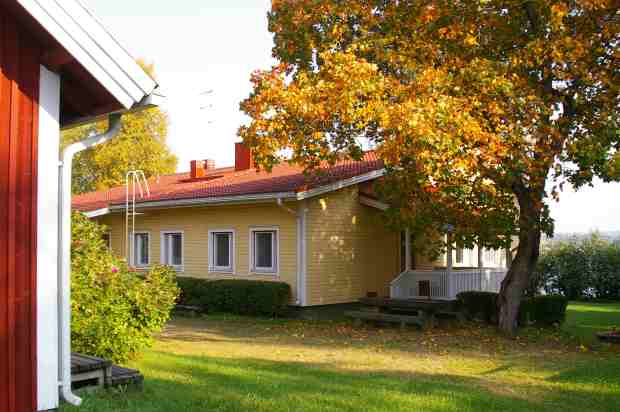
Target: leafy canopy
{"type": "Point", "coordinates": [472, 105]}
{"type": "Point", "coordinates": [141, 144]}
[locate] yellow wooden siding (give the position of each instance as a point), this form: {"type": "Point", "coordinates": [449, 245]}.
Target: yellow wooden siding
{"type": "Point", "coordinates": [349, 250]}
{"type": "Point", "coordinates": [196, 223]}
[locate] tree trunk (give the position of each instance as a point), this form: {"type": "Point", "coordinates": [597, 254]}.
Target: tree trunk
{"type": "Point", "coordinates": [522, 266]}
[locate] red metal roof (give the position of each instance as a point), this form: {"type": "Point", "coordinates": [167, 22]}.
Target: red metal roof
{"type": "Point", "coordinates": [224, 182]}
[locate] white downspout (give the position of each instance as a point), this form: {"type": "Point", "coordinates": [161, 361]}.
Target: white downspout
{"type": "Point", "coordinates": [300, 217]}
{"type": "Point", "coordinates": [64, 242]}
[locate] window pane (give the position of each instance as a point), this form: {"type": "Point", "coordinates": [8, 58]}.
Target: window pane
{"type": "Point", "coordinates": [141, 249]}
{"type": "Point", "coordinates": [222, 249]}
{"type": "Point", "coordinates": [264, 249]}
{"type": "Point", "coordinates": [107, 241]}
{"type": "Point", "coordinates": [177, 249]}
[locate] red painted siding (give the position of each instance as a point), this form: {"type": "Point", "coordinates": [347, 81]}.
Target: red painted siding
{"type": "Point", "coordinates": [19, 87]}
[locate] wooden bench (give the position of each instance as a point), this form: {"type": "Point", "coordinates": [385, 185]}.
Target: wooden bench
{"type": "Point", "coordinates": [125, 377]}
{"type": "Point", "coordinates": [90, 371]}
{"type": "Point", "coordinates": [425, 308]}
{"type": "Point", "coordinates": [403, 320]}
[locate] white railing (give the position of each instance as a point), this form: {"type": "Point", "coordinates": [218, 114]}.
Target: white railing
{"type": "Point", "coordinates": [441, 284]}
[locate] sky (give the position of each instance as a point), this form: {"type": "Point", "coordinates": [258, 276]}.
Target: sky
{"type": "Point", "coordinates": [204, 52]}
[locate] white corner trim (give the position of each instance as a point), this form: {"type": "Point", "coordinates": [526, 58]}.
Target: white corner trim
{"type": "Point", "coordinates": [47, 241]}
{"type": "Point", "coordinates": [93, 47]}
{"type": "Point", "coordinates": [341, 184]}
{"type": "Point", "coordinates": [369, 201]}
{"type": "Point", "coordinates": [97, 212]}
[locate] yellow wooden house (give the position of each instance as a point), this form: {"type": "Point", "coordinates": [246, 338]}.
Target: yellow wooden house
{"type": "Point", "coordinates": [323, 235]}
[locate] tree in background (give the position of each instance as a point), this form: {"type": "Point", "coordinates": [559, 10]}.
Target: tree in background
{"type": "Point", "coordinates": [141, 144]}
{"type": "Point", "coordinates": [472, 105]}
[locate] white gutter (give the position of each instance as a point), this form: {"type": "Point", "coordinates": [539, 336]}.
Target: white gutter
{"type": "Point", "coordinates": [341, 184]}
{"type": "Point", "coordinates": [377, 204]}
{"type": "Point", "coordinates": [260, 197]}
{"type": "Point", "coordinates": [97, 212]}
{"type": "Point", "coordinates": [64, 241]}
{"type": "Point", "coordinates": [155, 99]}
{"type": "Point", "coordinates": [301, 218]}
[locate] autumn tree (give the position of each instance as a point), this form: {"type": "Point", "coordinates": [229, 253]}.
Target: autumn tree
{"type": "Point", "coordinates": [141, 144]}
{"type": "Point", "coordinates": [474, 106]}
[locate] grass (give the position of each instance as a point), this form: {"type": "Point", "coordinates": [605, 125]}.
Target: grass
{"type": "Point", "coordinates": [585, 319]}
{"type": "Point", "coordinates": [226, 363]}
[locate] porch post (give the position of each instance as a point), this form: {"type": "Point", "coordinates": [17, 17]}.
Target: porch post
{"type": "Point", "coordinates": [508, 258]}
{"type": "Point", "coordinates": [449, 264]}
{"type": "Point", "coordinates": [407, 250]}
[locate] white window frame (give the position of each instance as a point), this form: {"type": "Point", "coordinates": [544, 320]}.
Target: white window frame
{"type": "Point", "coordinates": [162, 249]}
{"type": "Point", "coordinates": [274, 270]}
{"type": "Point", "coordinates": [133, 249]}
{"type": "Point", "coordinates": [213, 268]}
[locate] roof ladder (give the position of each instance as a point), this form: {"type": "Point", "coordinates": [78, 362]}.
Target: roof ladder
{"type": "Point", "coordinates": [135, 179]}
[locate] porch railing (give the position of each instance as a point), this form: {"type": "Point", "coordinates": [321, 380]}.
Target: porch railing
{"type": "Point", "coordinates": [441, 284]}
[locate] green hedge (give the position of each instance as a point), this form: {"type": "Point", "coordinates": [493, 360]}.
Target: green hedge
{"type": "Point", "coordinates": [245, 297]}
{"type": "Point", "coordinates": [543, 310]}
{"type": "Point", "coordinates": [479, 305]}
{"type": "Point", "coordinates": [579, 269]}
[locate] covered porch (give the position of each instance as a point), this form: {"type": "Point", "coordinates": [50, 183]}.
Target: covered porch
{"type": "Point", "coordinates": [458, 270]}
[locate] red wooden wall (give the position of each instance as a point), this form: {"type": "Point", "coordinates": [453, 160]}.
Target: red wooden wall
{"type": "Point", "coordinates": [19, 86]}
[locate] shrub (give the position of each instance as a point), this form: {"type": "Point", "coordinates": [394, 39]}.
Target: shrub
{"type": "Point", "coordinates": [114, 311]}
{"type": "Point", "coordinates": [245, 297]}
{"type": "Point", "coordinates": [480, 305]}
{"type": "Point", "coordinates": [543, 310]}
{"type": "Point", "coordinates": [579, 269]}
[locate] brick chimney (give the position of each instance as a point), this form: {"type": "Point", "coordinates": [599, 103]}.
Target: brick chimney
{"type": "Point", "coordinates": [243, 157]}
{"type": "Point", "coordinates": [198, 168]}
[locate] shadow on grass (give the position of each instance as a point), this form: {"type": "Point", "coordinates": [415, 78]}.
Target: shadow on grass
{"type": "Point", "coordinates": [606, 373]}
{"type": "Point", "coordinates": [200, 383]}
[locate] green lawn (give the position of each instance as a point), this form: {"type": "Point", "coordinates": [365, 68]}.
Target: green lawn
{"type": "Point", "coordinates": [224, 363]}
{"type": "Point", "coordinates": [585, 319]}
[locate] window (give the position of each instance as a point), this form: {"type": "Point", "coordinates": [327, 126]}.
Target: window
{"type": "Point", "coordinates": [492, 257]}
{"type": "Point", "coordinates": [264, 250]}
{"type": "Point", "coordinates": [221, 250]}
{"type": "Point", "coordinates": [459, 254]}
{"type": "Point", "coordinates": [107, 240]}
{"type": "Point", "coordinates": [141, 249]}
{"type": "Point", "coordinates": [172, 249]}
